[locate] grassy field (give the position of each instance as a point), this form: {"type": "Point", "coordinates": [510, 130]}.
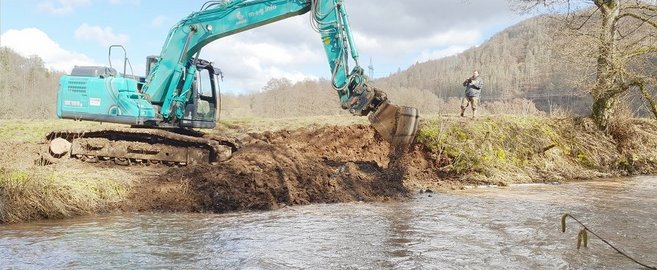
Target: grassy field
{"type": "Point", "coordinates": [33, 131]}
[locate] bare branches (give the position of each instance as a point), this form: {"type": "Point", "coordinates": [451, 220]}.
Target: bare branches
{"type": "Point", "coordinates": [648, 20]}
{"type": "Point", "coordinates": [639, 6]}
{"type": "Point", "coordinates": [641, 51]}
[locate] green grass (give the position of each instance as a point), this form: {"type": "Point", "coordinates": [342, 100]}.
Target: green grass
{"type": "Point", "coordinates": [34, 130]}
{"type": "Point", "coordinates": [22, 130]}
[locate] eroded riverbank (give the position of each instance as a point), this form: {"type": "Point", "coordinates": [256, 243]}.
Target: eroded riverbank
{"type": "Point", "coordinates": [330, 164]}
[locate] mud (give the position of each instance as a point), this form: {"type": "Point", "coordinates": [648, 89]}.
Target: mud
{"type": "Point", "coordinates": [275, 169]}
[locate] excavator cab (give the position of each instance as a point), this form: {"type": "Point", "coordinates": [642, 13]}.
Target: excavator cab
{"type": "Point", "coordinates": [201, 108]}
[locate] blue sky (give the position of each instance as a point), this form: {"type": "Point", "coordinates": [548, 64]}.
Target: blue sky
{"type": "Point", "coordinates": [394, 34]}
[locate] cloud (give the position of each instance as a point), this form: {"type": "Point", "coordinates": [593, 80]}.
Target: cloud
{"type": "Point", "coordinates": [159, 21]}
{"type": "Point", "coordinates": [61, 7]}
{"type": "Point", "coordinates": [392, 47]}
{"type": "Point", "coordinates": [102, 35]}
{"type": "Point", "coordinates": [250, 65]}
{"type": "Point", "coordinates": [440, 53]}
{"type": "Point", "coordinates": [32, 41]}
{"type": "Point", "coordinates": [412, 19]}
{"type": "Point", "coordinates": [393, 33]}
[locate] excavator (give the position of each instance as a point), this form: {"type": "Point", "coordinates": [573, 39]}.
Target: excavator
{"type": "Point", "coordinates": [164, 108]}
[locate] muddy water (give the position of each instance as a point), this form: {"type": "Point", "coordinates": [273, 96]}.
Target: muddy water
{"type": "Point", "coordinates": [513, 227]}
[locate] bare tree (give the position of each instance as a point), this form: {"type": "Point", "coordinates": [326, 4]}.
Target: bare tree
{"type": "Point", "coordinates": [623, 33]}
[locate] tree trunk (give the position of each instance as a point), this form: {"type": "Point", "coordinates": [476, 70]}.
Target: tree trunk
{"type": "Point", "coordinates": [650, 99]}
{"type": "Point", "coordinates": [604, 91]}
{"type": "Point", "coordinates": [603, 110]}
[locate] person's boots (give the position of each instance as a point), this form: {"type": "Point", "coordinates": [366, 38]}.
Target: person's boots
{"type": "Point", "coordinates": [462, 111]}
{"type": "Point", "coordinates": [474, 114]}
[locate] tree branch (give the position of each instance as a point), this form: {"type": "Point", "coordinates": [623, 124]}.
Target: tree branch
{"type": "Point", "coordinates": [638, 17]}
{"type": "Point", "coordinates": [640, 51]}
{"type": "Point", "coordinates": [641, 7]}
{"type": "Point", "coordinates": [649, 98]}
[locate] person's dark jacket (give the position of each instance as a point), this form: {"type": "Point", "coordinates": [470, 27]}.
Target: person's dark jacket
{"type": "Point", "coordinates": [473, 87]}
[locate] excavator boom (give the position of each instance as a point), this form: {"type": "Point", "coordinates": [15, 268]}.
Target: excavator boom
{"type": "Point", "coordinates": [168, 97]}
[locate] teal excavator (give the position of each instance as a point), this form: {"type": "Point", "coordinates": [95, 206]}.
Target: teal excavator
{"type": "Point", "coordinates": [164, 108]}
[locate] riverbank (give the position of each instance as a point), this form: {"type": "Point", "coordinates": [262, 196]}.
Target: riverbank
{"type": "Point", "coordinates": [327, 160]}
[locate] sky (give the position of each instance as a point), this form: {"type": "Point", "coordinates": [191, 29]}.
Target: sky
{"type": "Point", "coordinates": [392, 35]}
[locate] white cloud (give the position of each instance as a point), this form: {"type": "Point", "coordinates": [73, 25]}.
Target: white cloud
{"type": "Point", "coordinates": [61, 7]}
{"type": "Point", "coordinates": [32, 41]}
{"type": "Point", "coordinates": [440, 53]}
{"type": "Point", "coordinates": [105, 36]}
{"type": "Point", "coordinates": [250, 65]}
{"type": "Point", "coordinates": [448, 41]}
{"type": "Point", "coordinates": [158, 21]}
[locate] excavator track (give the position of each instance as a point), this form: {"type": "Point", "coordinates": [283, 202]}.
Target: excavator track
{"type": "Point", "coordinates": [125, 146]}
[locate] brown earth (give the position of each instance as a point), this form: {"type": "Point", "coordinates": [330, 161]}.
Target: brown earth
{"type": "Point", "coordinates": [327, 165]}
{"type": "Point", "coordinates": [274, 169]}
{"type": "Point", "coordinates": [271, 170]}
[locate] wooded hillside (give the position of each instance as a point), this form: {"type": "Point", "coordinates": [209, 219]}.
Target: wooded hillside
{"type": "Point", "coordinates": [527, 69]}
{"type": "Point", "coordinates": [27, 88]}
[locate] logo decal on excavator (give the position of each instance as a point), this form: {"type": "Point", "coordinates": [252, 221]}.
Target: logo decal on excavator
{"type": "Point", "coordinates": [240, 18]}
{"type": "Point", "coordinates": [94, 101]}
{"type": "Point", "coordinates": [262, 11]}
{"type": "Point", "coordinates": [73, 103]}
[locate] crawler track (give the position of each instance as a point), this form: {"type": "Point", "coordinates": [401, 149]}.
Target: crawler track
{"type": "Point", "coordinates": [126, 146]}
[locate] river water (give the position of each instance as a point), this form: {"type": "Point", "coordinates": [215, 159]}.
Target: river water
{"type": "Point", "coordinates": [484, 228]}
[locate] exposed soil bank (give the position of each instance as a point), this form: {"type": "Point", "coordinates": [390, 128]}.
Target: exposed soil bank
{"type": "Point", "coordinates": [272, 169]}
{"type": "Point", "coordinates": [335, 164]}
{"type": "Point", "coordinates": [343, 164]}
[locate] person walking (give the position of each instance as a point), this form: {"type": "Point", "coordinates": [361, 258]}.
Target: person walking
{"type": "Point", "coordinates": [473, 87]}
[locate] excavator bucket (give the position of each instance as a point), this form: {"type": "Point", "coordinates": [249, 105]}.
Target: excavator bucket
{"type": "Point", "coordinates": [396, 124]}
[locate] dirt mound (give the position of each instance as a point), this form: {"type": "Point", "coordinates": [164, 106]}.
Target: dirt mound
{"type": "Point", "coordinates": [273, 169]}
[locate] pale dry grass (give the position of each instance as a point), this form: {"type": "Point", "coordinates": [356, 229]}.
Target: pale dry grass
{"type": "Point", "coordinates": [29, 192]}
{"type": "Point", "coordinates": [59, 192]}
{"type": "Point", "coordinates": [520, 149]}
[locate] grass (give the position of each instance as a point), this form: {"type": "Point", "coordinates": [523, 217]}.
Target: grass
{"type": "Point", "coordinates": [33, 131]}
{"type": "Point", "coordinates": [22, 130]}
{"type": "Point", "coordinates": [516, 149]}
{"type": "Point", "coordinates": [42, 193]}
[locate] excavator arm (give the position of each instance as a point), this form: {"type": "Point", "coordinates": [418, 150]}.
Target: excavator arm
{"type": "Point", "coordinates": [170, 101]}
{"type": "Point", "coordinates": [169, 82]}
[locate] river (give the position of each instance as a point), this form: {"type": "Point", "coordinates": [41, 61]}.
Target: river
{"type": "Point", "coordinates": [483, 228]}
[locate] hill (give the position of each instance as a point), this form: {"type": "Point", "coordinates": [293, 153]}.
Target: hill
{"type": "Point", "coordinates": [27, 88]}
{"type": "Point", "coordinates": [527, 69]}
{"type": "Point", "coordinates": [523, 61]}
